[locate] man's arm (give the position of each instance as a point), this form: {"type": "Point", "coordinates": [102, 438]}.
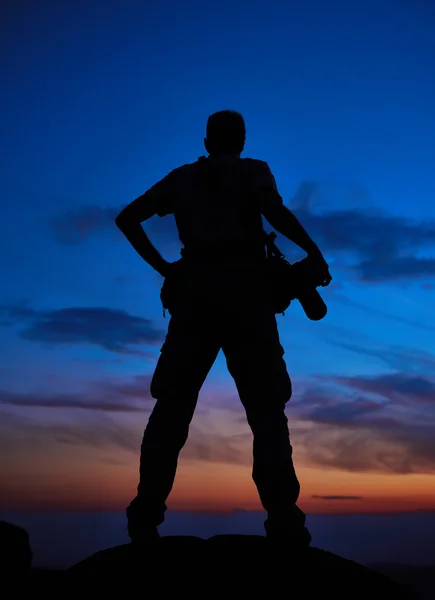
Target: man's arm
{"type": "Point", "coordinates": [285, 222]}
{"type": "Point", "coordinates": [157, 200]}
{"type": "Point", "coordinates": [278, 215]}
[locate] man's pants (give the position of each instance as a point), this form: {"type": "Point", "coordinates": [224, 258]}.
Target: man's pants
{"type": "Point", "coordinates": [229, 313]}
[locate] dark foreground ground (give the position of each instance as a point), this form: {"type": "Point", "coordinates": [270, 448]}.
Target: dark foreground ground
{"type": "Point", "coordinates": [230, 566]}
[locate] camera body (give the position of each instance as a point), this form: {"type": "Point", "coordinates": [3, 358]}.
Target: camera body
{"type": "Point", "coordinates": [294, 281]}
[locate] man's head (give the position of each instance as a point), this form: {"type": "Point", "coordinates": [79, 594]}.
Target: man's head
{"type": "Point", "coordinates": [226, 133]}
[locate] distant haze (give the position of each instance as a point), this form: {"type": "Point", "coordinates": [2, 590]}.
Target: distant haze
{"type": "Point", "coordinates": [61, 539]}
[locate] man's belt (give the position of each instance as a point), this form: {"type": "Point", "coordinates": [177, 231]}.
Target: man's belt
{"type": "Point", "coordinates": [224, 252]}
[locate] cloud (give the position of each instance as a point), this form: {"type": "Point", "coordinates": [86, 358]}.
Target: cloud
{"type": "Point", "coordinates": [218, 447]}
{"type": "Point", "coordinates": [108, 396]}
{"type": "Point", "coordinates": [381, 247]}
{"type": "Point", "coordinates": [406, 359]}
{"type": "Point", "coordinates": [384, 247]}
{"type": "Point", "coordinates": [408, 389]}
{"type": "Point", "coordinates": [111, 329]}
{"type": "Point", "coordinates": [380, 446]}
{"type": "Point", "coordinates": [341, 411]}
{"type": "Point", "coordinates": [378, 424]}
{"type": "Point", "coordinates": [76, 226]}
{"type": "Point", "coordinates": [337, 497]}
{"type": "Point", "coordinates": [101, 427]}
{"type": "Point", "coordinates": [62, 401]}
{"type": "Point", "coordinates": [382, 424]}
{"type": "Point", "coordinates": [375, 312]}
{"type": "Point", "coordinates": [395, 267]}
{"type": "Point", "coordinates": [101, 432]}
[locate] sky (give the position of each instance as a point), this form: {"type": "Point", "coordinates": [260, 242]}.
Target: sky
{"type": "Point", "coordinates": [104, 99]}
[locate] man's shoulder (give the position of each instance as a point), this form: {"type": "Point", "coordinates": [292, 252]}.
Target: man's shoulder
{"type": "Point", "coordinates": [256, 162]}
{"type": "Point", "coordinates": [253, 168]}
{"type": "Point", "coordinates": [259, 172]}
{"type": "Point", "coordinates": [257, 168]}
{"type": "Point", "coordinates": [183, 171]}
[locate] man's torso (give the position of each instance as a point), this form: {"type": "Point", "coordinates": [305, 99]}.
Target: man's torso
{"type": "Point", "coordinates": [214, 201]}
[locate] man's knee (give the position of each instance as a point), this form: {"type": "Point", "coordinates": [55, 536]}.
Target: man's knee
{"type": "Point", "coordinates": [277, 377]}
{"type": "Point", "coordinates": [268, 423]}
{"type": "Point", "coordinates": [171, 414]}
{"type": "Point", "coordinates": [284, 388]}
{"type": "Point", "coordinates": [265, 377]}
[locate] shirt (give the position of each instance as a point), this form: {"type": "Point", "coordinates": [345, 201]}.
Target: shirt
{"type": "Point", "coordinates": [217, 199]}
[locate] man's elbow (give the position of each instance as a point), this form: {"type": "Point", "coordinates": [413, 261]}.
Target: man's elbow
{"type": "Point", "coordinates": [120, 221]}
{"type": "Point", "coordinates": [138, 211]}
{"type": "Point", "coordinates": [123, 221]}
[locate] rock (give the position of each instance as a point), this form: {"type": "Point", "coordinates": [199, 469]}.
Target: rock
{"type": "Point", "coordinates": [231, 566]}
{"type": "Point", "coordinates": [15, 552]}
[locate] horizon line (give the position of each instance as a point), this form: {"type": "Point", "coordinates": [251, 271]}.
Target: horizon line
{"type": "Point", "coordinates": [216, 511]}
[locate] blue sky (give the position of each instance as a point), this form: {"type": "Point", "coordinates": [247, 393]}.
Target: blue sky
{"type": "Point", "coordinates": [102, 101]}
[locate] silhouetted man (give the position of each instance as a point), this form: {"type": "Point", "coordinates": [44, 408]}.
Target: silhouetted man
{"type": "Point", "coordinates": [220, 302]}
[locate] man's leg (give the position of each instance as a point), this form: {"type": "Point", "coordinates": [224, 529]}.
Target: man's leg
{"type": "Point", "coordinates": [255, 360]}
{"type": "Point", "coordinates": [187, 356]}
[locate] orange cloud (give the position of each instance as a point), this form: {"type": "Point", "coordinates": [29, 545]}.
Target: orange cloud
{"type": "Point", "coordinates": [374, 448]}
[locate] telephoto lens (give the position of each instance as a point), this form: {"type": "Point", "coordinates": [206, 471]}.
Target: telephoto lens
{"type": "Point", "coordinates": [307, 279]}
{"type": "Point", "coordinates": [313, 305]}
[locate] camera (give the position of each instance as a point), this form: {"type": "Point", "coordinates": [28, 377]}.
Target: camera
{"type": "Point", "coordinates": [295, 281]}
